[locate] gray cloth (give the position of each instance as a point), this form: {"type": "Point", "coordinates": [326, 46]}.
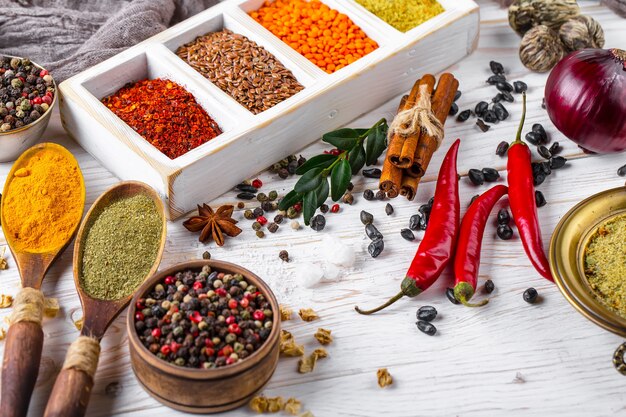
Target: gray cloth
{"type": "Point", "coordinates": [68, 36]}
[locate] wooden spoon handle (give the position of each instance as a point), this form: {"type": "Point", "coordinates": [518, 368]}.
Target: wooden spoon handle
{"type": "Point", "coordinates": [22, 354]}
{"type": "Point", "coordinates": [72, 389]}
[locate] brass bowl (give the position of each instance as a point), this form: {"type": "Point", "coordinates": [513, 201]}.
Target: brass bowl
{"type": "Point", "coordinates": [567, 246]}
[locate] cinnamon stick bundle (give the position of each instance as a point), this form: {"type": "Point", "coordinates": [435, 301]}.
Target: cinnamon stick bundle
{"type": "Point", "coordinates": [408, 188]}
{"type": "Point", "coordinates": [391, 176]}
{"type": "Point", "coordinates": [427, 145]}
{"type": "Point", "coordinates": [396, 142]}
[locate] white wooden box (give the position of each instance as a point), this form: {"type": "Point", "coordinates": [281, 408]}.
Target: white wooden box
{"type": "Point", "coordinates": [251, 143]}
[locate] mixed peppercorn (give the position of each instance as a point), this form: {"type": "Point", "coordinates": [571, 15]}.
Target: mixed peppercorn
{"type": "Point", "coordinates": [206, 319]}
{"type": "Point", "coordinates": [26, 92]}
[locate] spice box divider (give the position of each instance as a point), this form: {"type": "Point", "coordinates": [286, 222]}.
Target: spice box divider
{"type": "Point", "coordinates": [251, 143]}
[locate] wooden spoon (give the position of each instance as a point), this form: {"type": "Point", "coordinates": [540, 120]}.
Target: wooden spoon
{"type": "Point", "coordinates": [72, 389]}
{"type": "Point", "coordinates": [22, 351]}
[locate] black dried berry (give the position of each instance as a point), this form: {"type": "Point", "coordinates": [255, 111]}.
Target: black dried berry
{"type": "Point", "coordinates": [245, 196]}
{"type": "Point", "coordinates": [489, 286]}
{"type": "Point", "coordinates": [482, 126]}
{"type": "Point", "coordinates": [504, 231]}
{"type": "Point", "coordinates": [502, 148]}
{"type": "Point", "coordinates": [423, 222]}
{"type": "Point", "coordinates": [389, 209]}
{"type": "Point", "coordinates": [246, 188]}
{"type": "Point", "coordinates": [324, 208]}
{"type": "Point", "coordinates": [481, 108]}
{"type": "Point", "coordinates": [538, 128]}
{"type": "Point", "coordinates": [497, 98]}
{"type": "Point", "coordinates": [503, 216]}
{"type": "Point", "coordinates": [371, 173]}
{"type": "Point", "coordinates": [380, 195]}
{"type": "Point", "coordinates": [519, 86]}
{"type": "Point", "coordinates": [539, 198]}
{"type": "Point", "coordinates": [490, 174]}
{"type": "Point", "coordinates": [318, 223]}
{"type": "Point", "coordinates": [500, 111]}
{"type": "Point", "coordinates": [464, 115]}
{"type": "Point", "coordinates": [543, 103]}
{"type": "Point", "coordinates": [476, 176]}
{"type": "Point", "coordinates": [490, 116]}
{"type": "Point", "coordinates": [457, 95]}
{"type": "Point", "coordinates": [366, 218]}
{"type": "Point", "coordinates": [544, 152]}
{"type": "Point", "coordinates": [407, 234]}
{"type": "Point", "coordinates": [375, 248]}
{"type": "Point", "coordinates": [368, 195]}
{"type": "Point", "coordinates": [450, 296]}
{"type": "Point", "coordinates": [533, 138]}
{"type": "Point", "coordinates": [454, 109]}
{"type": "Point", "coordinates": [539, 179]}
{"type": "Point", "coordinates": [530, 295]}
{"type": "Point", "coordinates": [426, 313]}
{"type": "Point", "coordinates": [372, 232]}
{"type": "Point", "coordinates": [506, 96]}
{"type": "Point", "coordinates": [496, 67]}
{"type": "Point", "coordinates": [426, 327]}
{"type": "Point", "coordinates": [495, 79]}
{"type": "Point", "coordinates": [621, 171]}
{"type": "Point", "coordinates": [555, 148]}
{"type": "Point", "coordinates": [414, 222]}
{"type": "Point", "coordinates": [504, 87]}
{"type": "Point", "coordinates": [557, 162]}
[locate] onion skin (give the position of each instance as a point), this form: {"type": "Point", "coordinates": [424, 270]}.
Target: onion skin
{"type": "Point", "coordinates": [585, 98]}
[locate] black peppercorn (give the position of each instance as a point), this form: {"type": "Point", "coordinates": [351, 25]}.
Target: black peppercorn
{"type": "Point", "coordinates": [426, 313]}
{"type": "Point", "coordinates": [489, 286]}
{"type": "Point", "coordinates": [502, 148]}
{"type": "Point", "coordinates": [496, 67]}
{"type": "Point", "coordinates": [464, 115]}
{"type": "Point", "coordinates": [476, 176]}
{"type": "Point", "coordinates": [530, 295]}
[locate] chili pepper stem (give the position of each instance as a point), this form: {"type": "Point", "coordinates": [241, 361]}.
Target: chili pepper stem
{"type": "Point", "coordinates": [463, 292]}
{"type": "Point", "coordinates": [408, 288]}
{"type": "Point", "coordinates": [518, 137]}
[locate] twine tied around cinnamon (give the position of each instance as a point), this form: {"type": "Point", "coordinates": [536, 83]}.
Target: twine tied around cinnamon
{"type": "Point", "coordinates": [83, 355]}
{"type": "Point", "coordinates": [28, 306]}
{"type": "Point", "coordinates": [409, 122]}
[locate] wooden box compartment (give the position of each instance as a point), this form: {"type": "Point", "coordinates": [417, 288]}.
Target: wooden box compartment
{"type": "Point", "coordinates": [250, 143]}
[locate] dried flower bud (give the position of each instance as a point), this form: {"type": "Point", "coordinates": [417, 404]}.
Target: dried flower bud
{"type": "Point", "coordinates": [384, 377]}
{"type": "Point", "coordinates": [293, 406]}
{"type": "Point", "coordinates": [323, 336]}
{"type": "Point", "coordinates": [307, 314]}
{"type": "Point", "coordinates": [581, 32]}
{"type": "Point", "coordinates": [541, 49]}
{"type": "Point", "coordinates": [526, 14]}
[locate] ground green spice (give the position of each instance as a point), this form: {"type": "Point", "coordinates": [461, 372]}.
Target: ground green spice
{"type": "Point", "coordinates": [403, 15]}
{"type": "Point", "coordinates": [121, 245]}
{"type": "Point", "coordinates": [605, 264]}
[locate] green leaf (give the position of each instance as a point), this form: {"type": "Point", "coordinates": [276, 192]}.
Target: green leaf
{"type": "Point", "coordinates": [343, 139]}
{"type": "Point", "coordinates": [318, 161]}
{"type": "Point", "coordinates": [361, 132]}
{"type": "Point", "coordinates": [309, 181]}
{"type": "Point", "coordinates": [289, 200]}
{"type": "Point", "coordinates": [356, 158]}
{"type": "Point", "coordinates": [376, 143]}
{"type": "Point", "coordinates": [339, 179]}
{"type": "Point", "coordinates": [322, 192]}
{"type": "Point", "coordinates": [309, 205]}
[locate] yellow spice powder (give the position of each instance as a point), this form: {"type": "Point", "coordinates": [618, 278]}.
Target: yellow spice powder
{"type": "Point", "coordinates": [43, 201]}
{"type": "Point", "coordinates": [403, 15]}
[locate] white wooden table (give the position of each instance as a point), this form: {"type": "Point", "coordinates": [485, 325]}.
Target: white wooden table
{"type": "Point", "coordinates": [508, 357]}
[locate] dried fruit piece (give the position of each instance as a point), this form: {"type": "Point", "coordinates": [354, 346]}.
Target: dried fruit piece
{"type": "Point", "coordinates": [323, 336]}
{"type": "Point", "coordinates": [258, 404]}
{"type": "Point", "coordinates": [293, 406]}
{"type": "Point", "coordinates": [276, 404]}
{"type": "Point", "coordinates": [6, 301]}
{"type": "Point", "coordinates": [50, 307]}
{"type": "Point", "coordinates": [288, 345]}
{"type": "Point", "coordinates": [79, 323]}
{"type": "Point", "coordinates": [285, 312]}
{"type": "Point", "coordinates": [308, 314]}
{"type": "Point", "coordinates": [384, 377]}
{"type": "Point", "coordinates": [307, 364]}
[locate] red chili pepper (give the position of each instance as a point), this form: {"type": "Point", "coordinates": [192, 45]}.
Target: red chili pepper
{"type": "Point", "coordinates": [522, 200]}
{"type": "Point", "coordinates": [467, 257]}
{"type": "Point", "coordinates": [435, 250]}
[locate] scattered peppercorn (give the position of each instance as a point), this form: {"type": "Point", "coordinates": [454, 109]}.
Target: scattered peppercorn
{"type": "Point", "coordinates": [206, 255]}
{"type": "Point", "coordinates": [476, 176]}
{"type": "Point", "coordinates": [389, 209]}
{"type": "Point", "coordinates": [257, 183]}
{"type": "Point", "coordinates": [504, 231]}
{"type": "Point", "coordinates": [530, 295]}
{"type": "Point", "coordinates": [246, 188]}
{"type": "Point", "coordinates": [463, 116]}
{"type": "Point", "coordinates": [380, 195]}
{"type": "Point", "coordinates": [414, 222]}
{"type": "Point", "coordinates": [489, 286]}
{"type": "Point", "coordinates": [248, 214]}
{"type": "Point", "coordinates": [503, 216]}
{"type": "Point", "coordinates": [256, 226]}
{"type": "Point", "coordinates": [407, 234]}
{"type": "Point", "coordinates": [371, 173]}
{"type": "Point", "coordinates": [241, 205]}
{"type": "Point", "coordinates": [368, 195]}
{"type": "Point", "coordinates": [348, 198]}
{"type": "Point", "coordinates": [426, 313]}
{"type": "Point", "coordinates": [451, 297]}
{"type": "Point", "coordinates": [295, 225]}
{"type": "Point", "coordinates": [278, 219]}
{"type": "Point", "coordinates": [334, 208]}
{"type": "Point", "coordinates": [366, 218]}
{"type": "Point", "coordinates": [540, 199]}
{"type": "Point", "coordinates": [260, 234]}
{"type": "Point", "coordinates": [502, 148]}
{"type": "Point", "coordinates": [376, 247]}
{"type": "Point", "coordinates": [457, 95]}
{"type": "Point", "coordinates": [490, 174]}
{"type": "Point", "coordinates": [258, 212]}
{"type": "Point", "coordinates": [426, 327]}
{"type": "Point", "coordinates": [245, 196]}
{"type": "Point", "coordinates": [621, 171]}
{"type": "Point", "coordinates": [284, 255]}
{"type": "Point", "coordinates": [318, 223]}
{"type": "Point", "coordinates": [272, 228]}
{"type": "Point", "coordinates": [261, 197]}
{"type": "Point", "coordinates": [262, 220]}
{"type": "Point", "coordinates": [324, 208]}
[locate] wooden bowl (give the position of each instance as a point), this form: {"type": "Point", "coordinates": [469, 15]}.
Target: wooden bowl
{"type": "Point", "coordinates": [16, 141]}
{"type": "Point", "coordinates": [204, 390]}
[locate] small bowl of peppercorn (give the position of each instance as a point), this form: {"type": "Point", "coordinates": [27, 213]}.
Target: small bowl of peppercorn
{"type": "Point", "coordinates": [204, 336]}
{"type": "Point", "coordinates": [27, 95]}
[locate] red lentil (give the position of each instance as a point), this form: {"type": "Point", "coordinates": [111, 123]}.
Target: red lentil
{"type": "Point", "coordinates": [165, 114]}
{"type": "Point", "coordinates": [324, 36]}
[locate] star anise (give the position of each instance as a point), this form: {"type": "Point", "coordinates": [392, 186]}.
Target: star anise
{"type": "Point", "coordinates": [213, 224]}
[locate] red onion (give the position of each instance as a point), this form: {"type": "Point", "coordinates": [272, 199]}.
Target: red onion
{"type": "Point", "coordinates": [586, 99]}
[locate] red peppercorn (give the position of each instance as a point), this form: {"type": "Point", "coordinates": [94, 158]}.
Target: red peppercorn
{"type": "Point", "coordinates": [230, 361]}
{"type": "Point", "coordinates": [195, 317]}
{"type": "Point", "coordinates": [262, 220]}
{"type": "Point", "coordinates": [234, 328]}
{"type": "Point", "coordinates": [197, 285]}
{"type": "Point", "coordinates": [210, 352]}
{"type": "Point", "coordinates": [174, 347]}
{"type": "Point", "coordinates": [43, 73]}
{"type": "Point", "coordinates": [139, 304]}
{"type": "Point", "coordinates": [230, 319]}
{"type": "Point", "coordinates": [297, 207]}
{"type": "Point", "coordinates": [335, 152]}
{"type": "Point", "coordinates": [208, 343]}
{"type": "Point", "coordinates": [334, 208]}
{"type": "Point", "coordinates": [170, 280]}
{"type": "Point", "coordinates": [46, 99]}
{"type": "Point", "coordinates": [24, 94]}
{"type": "Point", "coordinates": [227, 350]}
{"type": "Point", "coordinates": [232, 303]}
{"type": "Point", "coordinates": [165, 349]}
{"type": "Point", "coordinates": [139, 316]}
{"type": "Point", "coordinates": [156, 333]}
{"type": "Point", "coordinates": [258, 315]}
{"type": "Point", "coordinates": [244, 302]}
{"type": "Point", "coordinates": [37, 100]}
{"type": "Point", "coordinates": [257, 183]}
{"type": "Point", "coordinates": [249, 296]}
{"type": "Point", "coordinates": [221, 292]}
